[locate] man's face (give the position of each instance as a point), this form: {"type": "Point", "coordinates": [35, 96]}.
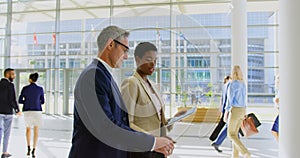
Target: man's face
{"type": "Point", "coordinates": [11, 76]}
{"type": "Point", "coordinates": [120, 52]}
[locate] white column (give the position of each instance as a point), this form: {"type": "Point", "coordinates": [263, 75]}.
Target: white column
{"type": "Point", "coordinates": [173, 62]}
{"type": "Point", "coordinates": [239, 36]}
{"type": "Point", "coordinates": [7, 44]}
{"type": "Point", "coordinates": [289, 36]}
{"type": "Point", "coordinates": [275, 43]}
{"type": "Point", "coordinates": [57, 61]}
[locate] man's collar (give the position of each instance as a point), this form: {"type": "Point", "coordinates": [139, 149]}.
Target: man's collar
{"type": "Point", "coordinates": [6, 79]}
{"type": "Point", "coordinates": [109, 69]}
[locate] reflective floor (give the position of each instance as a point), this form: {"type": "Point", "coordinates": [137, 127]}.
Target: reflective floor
{"type": "Point", "coordinates": [192, 139]}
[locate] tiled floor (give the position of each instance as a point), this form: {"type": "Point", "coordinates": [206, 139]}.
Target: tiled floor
{"type": "Point", "coordinates": [192, 140]}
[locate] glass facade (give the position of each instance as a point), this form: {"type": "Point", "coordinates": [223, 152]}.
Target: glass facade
{"type": "Point", "coordinates": [58, 39]}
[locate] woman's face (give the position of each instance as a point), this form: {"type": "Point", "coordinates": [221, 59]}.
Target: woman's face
{"type": "Point", "coordinates": [147, 63]}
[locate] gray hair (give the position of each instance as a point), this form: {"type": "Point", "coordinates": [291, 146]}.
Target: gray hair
{"type": "Point", "coordinates": [113, 32]}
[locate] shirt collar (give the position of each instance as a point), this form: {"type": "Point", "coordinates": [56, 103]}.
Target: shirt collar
{"type": "Point", "coordinates": [6, 79]}
{"type": "Point", "coordinates": [109, 69]}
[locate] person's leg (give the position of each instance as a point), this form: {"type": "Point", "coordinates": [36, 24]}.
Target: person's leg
{"type": "Point", "coordinates": [231, 133]}
{"type": "Point", "coordinates": [222, 136]}
{"type": "Point", "coordinates": [235, 119]}
{"type": "Point", "coordinates": [276, 135]}
{"type": "Point", "coordinates": [36, 135]}
{"type": "Point", "coordinates": [28, 135]}
{"type": "Point", "coordinates": [35, 139]}
{"type": "Point", "coordinates": [7, 129]}
{"type": "Point", "coordinates": [1, 126]}
{"type": "Point", "coordinates": [217, 130]}
{"type": "Point", "coordinates": [220, 139]}
{"type": "Point", "coordinates": [275, 128]}
{"type": "Point", "coordinates": [28, 139]}
{"type": "Point", "coordinates": [235, 151]}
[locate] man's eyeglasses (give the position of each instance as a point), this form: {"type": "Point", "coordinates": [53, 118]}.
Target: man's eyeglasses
{"type": "Point", "coordinates": [127, 48]}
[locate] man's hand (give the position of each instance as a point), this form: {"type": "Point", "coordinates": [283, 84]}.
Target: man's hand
{"type": "Point", "coordinates": [173, 141]}
{"type": "Point", "coordinates": [166, 152]}
{"type": "Point", "coordinates": [19, 113]}
{"type": "Point", "coordinates": [164, 146]}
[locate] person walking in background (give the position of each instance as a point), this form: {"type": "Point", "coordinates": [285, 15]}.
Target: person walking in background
{"type": "Point", "coordinates": [144, 104]}
{"type": "Point", "coordinates": [275, 127]}
{"type": "Point", "coordinates": [8, 102]}
{"type": "Point", "coordinates": [235, 111]}
{"type": "Point", "coordinates": [221, 123]}
{"type": "Point", "coordinates": [32, 98]}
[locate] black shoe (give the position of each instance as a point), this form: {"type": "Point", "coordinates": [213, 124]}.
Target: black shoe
{"type": "Point", "coordinates": [28, 151]}
{"type": "Point", "coordinates": [216, 147]}
{"type": "Point", "coordinates": [5, 155]}
{"type": "Point", "coordinates": [32, 153]}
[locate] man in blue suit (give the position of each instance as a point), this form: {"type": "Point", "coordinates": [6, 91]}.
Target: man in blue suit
{"type": "Point", "coordinates": [101, 127]}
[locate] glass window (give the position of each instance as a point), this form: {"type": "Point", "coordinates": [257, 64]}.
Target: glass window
{"type": "Point", "coordinates": [62, 63]}
{"type": "Point", "coordinates": [3, 8]}
{"type": "Point", "coordinates": [77, 4]}
{"type": "Point", "coordinates": [165, 75]}
{"type": "Point", "coordinates": [34, 6]}
{"type": "Point", "coordinates": [2, 24]}
{"type": "Point", "coordinates": [74, 63]}
{"type": "Point", "coordinates": [130, 2]}
{"type": "Point", "coordinates": [193, 38]}
{"type": "Point", "coordinates": [142, 17]}
{"type": "Point", "coordinates": [27, 24]}
{"type": "Point", "coordinates": [94, 18]}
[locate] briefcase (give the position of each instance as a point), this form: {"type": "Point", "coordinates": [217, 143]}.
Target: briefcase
{"type": "Point", "coordinates": [249, 125]}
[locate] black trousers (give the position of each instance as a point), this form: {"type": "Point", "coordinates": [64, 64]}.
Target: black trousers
{"type": "Point", "coordinates": [218, 129]}
{"type": "Point", "coordinates": [149, 154]}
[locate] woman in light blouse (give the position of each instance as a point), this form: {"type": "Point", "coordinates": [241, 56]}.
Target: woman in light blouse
{"type": "Point", "coordinates": [144, 105]}
{"type": "Point", "coordinates": [235, 111]}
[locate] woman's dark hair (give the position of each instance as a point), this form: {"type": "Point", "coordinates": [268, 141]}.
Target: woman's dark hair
{"type": "Point", "coordinates": [144, 47]}
{"type": "Point", "coordinates": [34, 76]}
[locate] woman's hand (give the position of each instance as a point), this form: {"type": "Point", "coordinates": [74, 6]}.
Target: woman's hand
{"type": "Point", "coordinates": [225, 118]}
{"type": "Point", "coordinates": [276, 100]}
{"type": "Point", "coordinates": [180, 113]}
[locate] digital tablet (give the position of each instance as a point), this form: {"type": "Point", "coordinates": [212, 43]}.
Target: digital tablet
{"type": "Point", "coordinates": [178, 118]}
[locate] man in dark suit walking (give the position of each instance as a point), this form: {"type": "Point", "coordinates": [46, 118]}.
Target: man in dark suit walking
{"type": "Point", "coordinates": [101, 127]}
{"type": "Point", "coordinates": [8, 102]}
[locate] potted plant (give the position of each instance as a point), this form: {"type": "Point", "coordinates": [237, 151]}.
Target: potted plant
{"type": "Point", "coordinates": [206, 112]}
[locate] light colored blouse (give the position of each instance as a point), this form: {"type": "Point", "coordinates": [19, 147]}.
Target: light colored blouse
{"type": "Point", "coordinates": [154, 97]}
{"type": "Point", "coordinates": [236, 95]}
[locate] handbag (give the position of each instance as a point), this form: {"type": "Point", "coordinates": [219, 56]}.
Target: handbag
{"type": "Point", "coordinates": [255, 119]}
{"type": "Point", "coordinates": [256, 122]}
{"type": "Point", "coordinates": [248, 127]}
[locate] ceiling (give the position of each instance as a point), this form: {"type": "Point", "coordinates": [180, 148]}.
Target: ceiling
{"type": "Point", "coordinates": [44, 10]}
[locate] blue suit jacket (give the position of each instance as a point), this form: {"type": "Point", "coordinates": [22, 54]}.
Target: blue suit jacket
{"type": "Point", "coordinates": [32, 96]}
{"type": "Point", "coordinates": [224, 96]}
{"type": "Point", "coordinates": [100, 118]}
